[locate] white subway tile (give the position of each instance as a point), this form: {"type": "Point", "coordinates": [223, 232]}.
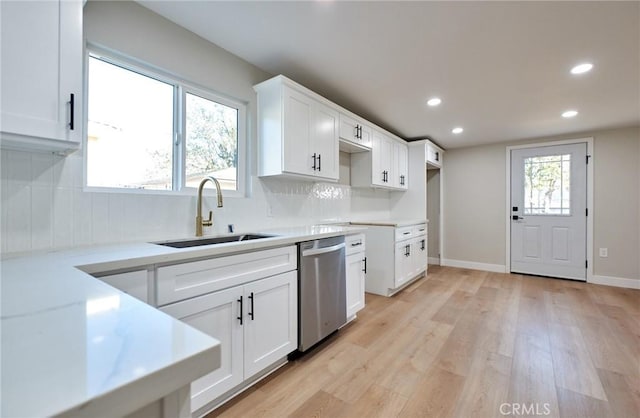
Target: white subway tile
{"type": "Point", "coordinates": [62, 217]}
{"type": "Point", "coordinates": [82, 217]}
{"type": "Point", "coordinates": [100, 218]}
{"type": "Point", "coordinates": [19, 166]}
{"type": "Point", "coordinates": [41, 217]}
{"type": "Point", "coordinates": [42, 169]}
{"type": "Point", "coordinates": [18, 216]}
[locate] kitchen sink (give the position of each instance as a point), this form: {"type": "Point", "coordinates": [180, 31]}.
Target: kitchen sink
{"type": "Point", "coordinates": [214, 240]}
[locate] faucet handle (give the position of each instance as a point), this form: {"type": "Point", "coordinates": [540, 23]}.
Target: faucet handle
{"type": "Point", "coordinates": [208, 222]}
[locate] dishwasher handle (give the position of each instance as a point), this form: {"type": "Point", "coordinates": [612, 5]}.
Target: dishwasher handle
{"type": "Point", "coordinates": [316, 251]}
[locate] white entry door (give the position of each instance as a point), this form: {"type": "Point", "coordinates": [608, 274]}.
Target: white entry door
{"type": "Point", "coordinates": [549, 211]}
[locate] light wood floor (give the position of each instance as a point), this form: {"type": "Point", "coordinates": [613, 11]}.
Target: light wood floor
{"type": "Point", "coordinates": [464, 343]}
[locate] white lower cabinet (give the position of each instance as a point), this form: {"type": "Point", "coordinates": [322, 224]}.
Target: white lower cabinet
{"type": "Point", "coordinates": [256, 324]}
{"type": "Point", "coordinates": [396, 256]}
{"type": "Point", "coordinates": [356, 269]}
{"type": "Point", "coordinates": [271, 321]}
{"type": "Point", "coordinates": [216, 314]}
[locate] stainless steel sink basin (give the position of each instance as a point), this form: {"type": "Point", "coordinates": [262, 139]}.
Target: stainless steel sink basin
{"type": "Point", "coordinates": [214, 240]}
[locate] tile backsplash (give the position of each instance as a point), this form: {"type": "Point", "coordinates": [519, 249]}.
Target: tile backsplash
{"type": "Point", "coordinates": [44, 207]}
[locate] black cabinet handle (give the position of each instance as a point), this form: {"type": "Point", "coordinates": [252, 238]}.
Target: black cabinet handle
{"type": "Point", "coordinates": [251, 312]}
{"type": "Point", "coordinates": [402, 180]}
{"type": "Point", "coordinates": [356, 134]}
{"type": "Point", "coordinates": [355, 244]}
{"type": "Point", "coordinates": [240, 317]}
{"type": "Point", "coordinates": [365, 265]}
{"type": "Point", "coordinates": [319, 162]}
{"type": "Point", "coordinates": [72, 103]}
{"type": "Point", "coordinates": [408, 250]}
{"type": "Point", "coordinates": [314, 161]}
{"type": "Point", "coordinates": [437, 156]}
{"type": "Point", "coordinates": [423, 244]}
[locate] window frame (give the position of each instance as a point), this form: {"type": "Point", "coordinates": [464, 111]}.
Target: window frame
{"type": "Point", "coordinates": [181, 88]}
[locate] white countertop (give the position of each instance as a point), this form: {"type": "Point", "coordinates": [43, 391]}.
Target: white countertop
{"type": "Point", "coordinates": [73, 344]}
{"type": "Point", "coordinates": [392, 222]}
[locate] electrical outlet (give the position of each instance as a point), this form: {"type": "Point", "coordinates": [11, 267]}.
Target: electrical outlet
{"type": "Point", "coordinates": [604, 252]}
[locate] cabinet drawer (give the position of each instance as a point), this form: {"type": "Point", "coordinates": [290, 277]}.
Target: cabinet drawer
{"type": "Point", "coordinates": [403, 233]}
{"type": "Point", "coordinates": [183, 281]}
{"type": "Point", "coordinates": [419, 230]}
{"type": "Point", "coordinates": [354, 244]}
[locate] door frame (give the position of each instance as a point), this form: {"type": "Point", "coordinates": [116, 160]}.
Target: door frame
{"type": "Point", "coordinates": [589, 142]}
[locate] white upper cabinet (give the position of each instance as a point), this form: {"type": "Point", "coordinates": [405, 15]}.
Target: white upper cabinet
{"type": "Point", "coordinates": [401, 165]}
{"type": "Point", "coordinates": [386, 166]}
{"type": "Point", "coordinates": [41, 75]}
{"type": "Point", "coordinates": [355, 135]}
{"type": "Point", "coordinates": [297, 132]}
{"type": "Point", "coordinates": [434, 155]}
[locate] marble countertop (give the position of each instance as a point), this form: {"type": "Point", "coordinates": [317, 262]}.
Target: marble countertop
{"type": "Point", "coordinates": [71, 344]}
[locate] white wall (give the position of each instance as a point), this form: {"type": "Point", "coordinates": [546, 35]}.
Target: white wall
{"type": "Point", "coordinates": [43, 205]}
{"type": "Point", "coordinates": [474, 202]}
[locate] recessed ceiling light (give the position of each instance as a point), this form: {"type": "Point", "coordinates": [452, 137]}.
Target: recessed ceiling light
{"type": "Point", "coordinates": [569, 113]}
{"type": "Point", "coordinates": [434, 101]}
{"type": "Point", "coordinates": [582, 68]}
{"type": "Point", "coordinates": [457, 130]}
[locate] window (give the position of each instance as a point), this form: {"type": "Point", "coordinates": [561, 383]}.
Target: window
{"type": "Point", "coordinates": [151, 132]}
{"type": "Point", "coordinates": [547, 185]}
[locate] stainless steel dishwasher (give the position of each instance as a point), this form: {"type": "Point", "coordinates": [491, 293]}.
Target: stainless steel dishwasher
{"type": "Point", "coordinates": [322, 300]}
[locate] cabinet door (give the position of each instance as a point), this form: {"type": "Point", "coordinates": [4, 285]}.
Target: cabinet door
{"type": "Point", "coordinates": [325, 141]}
{"type": "Point", "coordinates": [349, 129]}
{"type": "Point", "coordinates": [271, 321]}
{"type": "Point", "coordinates": [403, 262]}
{"type": "Point", "coordinates": [382, 154]}
{"type": "Point", "coordinates": [298, 132]}
{"type": "Point", "coordinates": [215, 314]}
{"type": "Point", "coordinates": [365, 136]}
{"type": "Point", "coordinates": [41, 68]}
{"type": "Point", "coordinates": [401, 166]}
{"type": "Point", "coordinates": [355, 283]}
{"type": "Point", "coordinates": [419, 255]}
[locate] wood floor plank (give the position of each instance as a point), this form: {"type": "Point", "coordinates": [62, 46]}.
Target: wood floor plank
{"type": "Point", "coordinates": [435, 395]}
{"type": "Point", "coordinates": [321, 404]}
{"type": "Point", "coordinates": [532, 379]}
{"type": "Point", "coordinates": [574, 405]}
{"type": "Point", "coordinates": [376, 402]}
{"type": "Point", "coordinates": [624, 400]}
{"type": "Point", "coordinates": [572, 365]}
{"type": "Point", "coordinates": [487, 386]}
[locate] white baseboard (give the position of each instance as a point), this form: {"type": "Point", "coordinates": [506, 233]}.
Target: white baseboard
{"type": "Point", "coordinates": [495, 268]}
{"type": "Point", "coordinates": [434, 260]}
{"type": "Point", "coordinates": [615, 281]}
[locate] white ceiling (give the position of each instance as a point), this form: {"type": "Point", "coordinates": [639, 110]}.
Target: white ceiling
{"type": "Point", "coordinates": [501, 68]}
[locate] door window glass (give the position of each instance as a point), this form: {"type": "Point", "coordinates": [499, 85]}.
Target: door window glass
{"type": "Point", "coordinates": [547, 185]}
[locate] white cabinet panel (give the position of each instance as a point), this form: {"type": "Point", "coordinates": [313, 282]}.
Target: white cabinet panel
{"type": "Point", "coordinates": [216, 314]}
{"type": "Point", "coordinates": [298, 110]}
{"type": "Point", "coordinates": [271, 330]}
{"type": "Point", "coordinates": [326, 142]}
{"type": "Point", "coordinates": [355, 269]}
{"type": "Point", "coordinates": [41, 69]}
